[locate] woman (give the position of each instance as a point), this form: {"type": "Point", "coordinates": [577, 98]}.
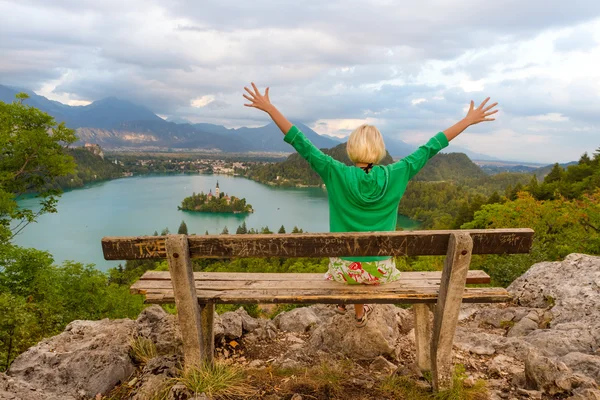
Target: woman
{"type": "Point", "coordinates": [364, 197]}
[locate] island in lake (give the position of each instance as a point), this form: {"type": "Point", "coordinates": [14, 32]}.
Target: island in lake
{"type": "Point", "coordinates": [217, 203]}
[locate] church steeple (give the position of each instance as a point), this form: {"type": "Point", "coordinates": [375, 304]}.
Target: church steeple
{"type": "Point", "coordinates": [217, 190]}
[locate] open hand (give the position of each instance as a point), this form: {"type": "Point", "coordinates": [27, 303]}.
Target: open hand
{"type": "Point", "coordinates": [258, 100]}
{"type": "Point", "coordinates": [480, 114]}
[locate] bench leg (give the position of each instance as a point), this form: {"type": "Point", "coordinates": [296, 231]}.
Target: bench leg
{"type": "Point", "coordinates": [207, 315]}
{"type": "Point", "coordinates": [452, 286]}
{"type": "Point", "coordinates": [422, 336]}
{"type": "Point", "coordinates": [188, 312]}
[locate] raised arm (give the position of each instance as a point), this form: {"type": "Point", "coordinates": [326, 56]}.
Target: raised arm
{"type": "Point", "coordinates": [417, 160]}
{"type": "Point", "coordinates": [474, 116]}
{"type": "Point", "coordinates": [318, 161]}
{"type": "Point", "coordinates": [263, 103]}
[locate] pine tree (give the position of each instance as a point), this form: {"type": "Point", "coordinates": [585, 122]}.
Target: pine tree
{"type": "Point", "coordinates": [281, 230]}
{"type": "Point", "coordinates": [534, 187]}
{"type": "Point", "coordinates": [242, 229]}
{"type": "Point", "coordinates": [585, 159]}
{"type": "Point", "coordinates": [206, 233]}
{"type": "Point", "coordinates": [265, 230]}
{"type": "Point", "coordinates": [295, 230]}
{"type": "Point", "coordinates": [183, 229]}
{"type": "Point", "coordinates": [155, 233]}
{"type": "Point", "coordinates": [225, 231]}
{"type": "Point", "coordinates": [165, 232]}
{"type": "Point", "coordinates": [555, 175]}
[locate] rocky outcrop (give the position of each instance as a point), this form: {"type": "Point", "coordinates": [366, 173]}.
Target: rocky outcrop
{"type": "Point", "coordinates": [553, 327]}
{"type": "Point", "coordinates": [88, 358]}
{"type": "Point", "coordinates": [545, 344]}
{"type": "Point", "coordinates": [380, 337]}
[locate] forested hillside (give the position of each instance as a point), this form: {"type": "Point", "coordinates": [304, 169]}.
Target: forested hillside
{"type": "Point", "coordinates": [89, 168]}
{"type": "Point", "coordinates": [296, 171]}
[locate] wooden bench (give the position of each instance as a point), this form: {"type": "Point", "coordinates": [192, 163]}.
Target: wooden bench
{"type": "Point", "coordinates": [196, 294]}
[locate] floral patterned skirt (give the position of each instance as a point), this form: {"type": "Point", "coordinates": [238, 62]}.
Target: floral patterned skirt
{"type": "Point", "coordinates": [366, 273]}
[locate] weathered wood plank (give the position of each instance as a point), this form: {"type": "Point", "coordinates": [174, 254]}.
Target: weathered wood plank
{"type": "Point", "coordinates": [207, 314]}
{"type": "Point", "coordinates": [473, 276]}
{"type": "Point", "coordinates": [184, 294]}
{"type": "Point", "coordinates": [422, 336]}
{"type": "Point", "coordinates": [485, 241]}
{"type": "Point", "coordinates": [451, 295]}
{"type": "Point", "coordinates": [141, 286]}
{"type": "Point", "coordinates": [470, 295]}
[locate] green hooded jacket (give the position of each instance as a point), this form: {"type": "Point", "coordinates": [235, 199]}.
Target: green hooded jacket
{"type": "Point", "coordinates": [360, 201]}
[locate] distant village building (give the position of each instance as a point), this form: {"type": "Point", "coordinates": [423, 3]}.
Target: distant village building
{"type": "Point", "coordinates": [94, 149]}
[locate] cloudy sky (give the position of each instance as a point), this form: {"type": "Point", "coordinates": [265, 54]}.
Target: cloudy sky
{"type": "Point", "coordinates": [408, 67]}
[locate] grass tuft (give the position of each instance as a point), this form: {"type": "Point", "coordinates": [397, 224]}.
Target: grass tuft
{"type": "Point", "coordinates": [142, 350]}
{"type": "Point", "coordinates": [219, 381]}
{"type": "Point", "coordinates": [458, 390]}
{"type": "Point", "coordinates": [402, 387]}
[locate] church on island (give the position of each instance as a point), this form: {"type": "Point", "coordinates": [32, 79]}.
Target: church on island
{"type": "Point", "coordinates": [218, 193]}
{"type": "Point", "coordinates": [218, 202]}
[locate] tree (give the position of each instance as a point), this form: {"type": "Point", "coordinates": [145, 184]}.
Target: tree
{"type": "Point", "coordinates": [183, 229]}
{"type": "Point", "coordinates": [225, 231]}
{"type": "Point", "coordinates": [32, 157]}
{"type": "Point", "coordinates": [265, 230]}
{"type": "Point", "coordinates": [155, 233]}
{"type": "Point", "coordinates": [555, 175]}
{"type": "Point", "coordinates": [585, 159]}
{"type": "Point", "coordinates": [165, 232]}
{"type": "Point", "coordinates": [206, 233]}
{"type": "Point", "coordinates": [281, 230]}
{"type": "Point", "coordinates": [242, 229]}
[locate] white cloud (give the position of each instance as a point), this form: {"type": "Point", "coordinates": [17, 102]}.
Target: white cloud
{"type": "Point", "coordinates": [551, 117]}
{"type": "Point", "coordinates": [203, 101]}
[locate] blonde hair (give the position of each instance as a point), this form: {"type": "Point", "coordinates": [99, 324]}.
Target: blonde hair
{"type": "Point", "coordinates": [365, 145]}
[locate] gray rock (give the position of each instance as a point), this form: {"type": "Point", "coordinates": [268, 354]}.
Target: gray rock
{"type": "Point", "coordinates": [504, 365]}
{"type": "Point", "coordinates": [525, 326]}
{"type": "Point", "coordinates": [249, 324]}
{"type": "Point", "coordinates": [585, 394]}
{"type": "Point", "coordinates": [543, 373]}
{"type": "Point", "coordinates": [16, 389]}
{"type": "Point", "coordinates": [179, 392]}
{"type": "Point", "coordinates": [301, 319]}
{"type": "Point", "coordinates": [88, 358]}
{"type": "Point", "coordinates": [231, 324]}
{"type": "Point", "coordinates": [379, 337]}
{"type": "Point", "coordinates": [586, 364]}
{"type": "Point", "coordinates": [162, 328]}
{"type": "Point", "coordinates": [156, 374]}
{"type": "Point", "coordinates": [382, 366]}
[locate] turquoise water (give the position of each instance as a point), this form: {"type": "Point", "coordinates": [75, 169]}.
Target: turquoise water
{"type": "Point", "coordinates": [141, 205]}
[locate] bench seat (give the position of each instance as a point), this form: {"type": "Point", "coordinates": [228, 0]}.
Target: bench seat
{"type": "Point", "coordinates": [305, 288]}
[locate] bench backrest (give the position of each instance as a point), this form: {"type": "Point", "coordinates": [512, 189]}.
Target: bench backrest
{"type": "Point", "coordinates": [413, 243]}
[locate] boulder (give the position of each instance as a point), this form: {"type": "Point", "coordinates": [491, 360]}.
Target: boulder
{"type": "Point", "coordinates": [525, 326]}
{"type": "Point", "coordinates": [16, 389]}
{"type": "Point", "coordinates": [550, 376]}
{"type": "Point", "coordinates": [228, 325]}
{"type": "Point", "coordinates": [378, 338]}
{"type": "Point", "coordinates": [162, 328]}
{"type": "Point", "coordinates": [585, 364]}
{"type": "Point", "coordinates": [302, 319]}
{"type": "Point", "coordinates": [88, 358]}
{"type": "Point", "coordinates": [155, 376]}
{"type": "Point", "coordinates": [249, 324]}
{"type": "Point", "coordinates": [585, 394]}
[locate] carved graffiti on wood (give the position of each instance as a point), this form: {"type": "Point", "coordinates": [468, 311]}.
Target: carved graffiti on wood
{"type": "Point", "coordinates": [152, 249]}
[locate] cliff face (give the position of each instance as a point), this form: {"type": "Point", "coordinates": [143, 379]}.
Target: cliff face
{"type": "Point", "coordinates": [545, 345]}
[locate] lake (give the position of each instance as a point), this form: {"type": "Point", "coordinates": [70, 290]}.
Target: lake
{"type": "Point", "coordinates": [140, 205]}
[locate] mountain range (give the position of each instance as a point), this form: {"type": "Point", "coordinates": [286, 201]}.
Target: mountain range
{"type": "Point", "coordinates": [117, 124]}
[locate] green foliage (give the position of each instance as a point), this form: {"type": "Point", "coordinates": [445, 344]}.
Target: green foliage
{"type": "Point", "coordinates": [88, 168]}
{"type": "Point", "coordinates": [281, 230]}
{"type": "Point", "coordinates": [32, 157]}
{"type": "Point", "coordinates": [206, 203]}
{"type": "Point", "coordinates": [225, 231]}
{"type": "Point", "coordinates": [561, 227]}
